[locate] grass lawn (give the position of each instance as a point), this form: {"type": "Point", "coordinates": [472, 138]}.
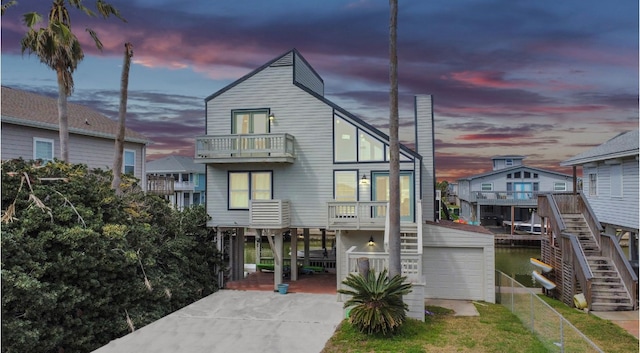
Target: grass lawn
{"type": "Point", "coordinates": [495, 330]}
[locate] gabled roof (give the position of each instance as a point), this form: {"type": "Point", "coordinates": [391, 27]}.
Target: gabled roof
{"type": "Point", "coordinates": [29, 109]}
{"type": "Point", "coordinates": [623, 145]}
{"type": "Point", "coordinates": [295, 53]}
{"type": "Point", "coordinates": [174, 164]}
{"type": "Point", "coordinates": [515, 168]}
{"type": "Point", "coordinates": [510, 156]}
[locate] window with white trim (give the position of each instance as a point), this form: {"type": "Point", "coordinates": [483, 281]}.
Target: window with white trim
{"type": "Point", "coordinates": [616, 180]}
{"type": "Point", "coordinates": [559, 186]}
{"type": "Point", "coordinates": [129, 162]}
{"type": "Point", "coordinates": [245, 186]}
{"type": "Point", "coordinates": [43, 149]}
{"type": "Point", "coordinates": [593, 184]}
{"type": "Point", "coordinates": [487, 187]}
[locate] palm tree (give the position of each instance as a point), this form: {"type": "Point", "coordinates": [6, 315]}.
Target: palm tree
{"type": "Point", "coordinates": [376, 302]}
{"type": "Point", "coordinates": [395, 267]}
{"type": "Point", "coordinates": [57, 47]}
{"type": "Point", "coordinates": [124, 84]}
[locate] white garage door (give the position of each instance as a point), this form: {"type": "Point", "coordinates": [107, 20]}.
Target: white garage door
{"type": "Point", "coordinates": [454, 273]}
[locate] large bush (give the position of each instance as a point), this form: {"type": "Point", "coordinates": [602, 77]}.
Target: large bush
{"type": "Point", "coordinates": [81, 266]}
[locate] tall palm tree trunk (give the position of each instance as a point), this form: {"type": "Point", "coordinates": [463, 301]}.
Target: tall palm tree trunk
{"type": "Point", "coordinates": [395, 267]}
{"type": "Point", "coordinates": [63, 116]}
{"type": "Point", "coordinates": [119, 146]}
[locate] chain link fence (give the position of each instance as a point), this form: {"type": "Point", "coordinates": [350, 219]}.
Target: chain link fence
{"type": "Point", "coordinates": [554, 331]}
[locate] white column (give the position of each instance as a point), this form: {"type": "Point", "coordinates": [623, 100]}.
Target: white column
{"type": "Point", "coordinates": [294, 254]}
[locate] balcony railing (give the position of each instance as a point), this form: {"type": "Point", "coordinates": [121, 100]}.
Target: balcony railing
{"type": "Point", "coordinates": [243, 148]}
{"type": "Point", "coordinates": [160, 185]}
{"type": "Point", "coordinates": [356, 215]}
{"type": "Point", "coordinates": [411, 263]}
{"type": "Point", "coordinates": [184, 186]}
{"type": "Point", "coordinates": [269, 214]}
{"type": "Point", "coordinates": [504, 197]}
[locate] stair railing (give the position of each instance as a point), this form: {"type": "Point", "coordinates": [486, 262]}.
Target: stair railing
{"type": "Point", "coordinates": [590, 217]}
{"type": "Point", "coordinates": [612, 250]}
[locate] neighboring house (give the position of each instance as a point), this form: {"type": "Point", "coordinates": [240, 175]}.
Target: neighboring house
{"type": "Point", "coordinates": [508, 193]}
{"type": "Point", "coordinates": [188, 180]}
{"type": "Point", "coordinates": [280, 156]}
{"type": "Point", "coordinates": [30, 131]}
{"type": "Point", "coordinates": [611, 186]}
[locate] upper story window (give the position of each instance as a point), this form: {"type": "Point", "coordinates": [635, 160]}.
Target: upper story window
{"type": "Point", "coordinates": [344, 141]}
{"type": "Point", "coordinates": [43, 149]}
{"type": "Point", "coordinates": [250, 122]}
{"type": "Point", "coordinates": [559, 186]}
{"type": "Point", "coordinates": [535, 175]}
{"type": "Point", "coordinates": [616, 180]}
{"type": "Point", "coordinates": [509, 176]}
{"type": "Point", "coordinates": [527, 175]}
{"type": "Point", "coordinates": [487, 187]}
{"type": "Point", "coordinates": [129, 162]}
{"type": "Point", "coordinates": [245, 186]}
{"type": "Point", "coordinates": [516, 175]}
{"type": "Point", "coordinates": [351, 144]}
{"type": "Point", "coordinates": [508, 162]}
{"type": "Point", "coordinates": [593, 184]}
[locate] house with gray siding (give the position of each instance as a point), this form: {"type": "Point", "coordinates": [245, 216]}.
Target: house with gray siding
{"type": "Point", "coordinates": [30, 131]}
{"type": "Point", "coordinates": [186, 177]}
{"type": "Point", "coordinates": [508, 194]}
{"type": "Point", "coordinates": [611, 186]}
{"type": "Point", "coordinates": [280, 156]}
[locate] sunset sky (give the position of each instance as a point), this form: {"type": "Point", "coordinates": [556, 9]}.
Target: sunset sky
{"type": "Point", "coordinates": [544, 79]}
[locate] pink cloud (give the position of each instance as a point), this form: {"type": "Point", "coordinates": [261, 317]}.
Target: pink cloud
{"type": "Point", "coordinates": [491, 79]}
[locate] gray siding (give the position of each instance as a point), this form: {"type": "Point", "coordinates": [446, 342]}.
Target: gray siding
{"type": "Point", "coordinates": [17, 141]}
{"type": "Point", "coordinates": [424, 141]}
{"type": "Point", "coordinates": [306, 76]}
{"type": "Point", "coordinates": [621, 211]}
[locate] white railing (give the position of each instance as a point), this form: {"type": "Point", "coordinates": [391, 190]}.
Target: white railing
{"type": "Point", "coordinates": [356, 214]}
{"type": "Point", "coordinates": [270, 214]}
{"type": "Point", "coordinates": [378, 261]}
{"type": "Point", "coordinates": [184, 185]}
{"type": "Point", "coordinates": [245, 146]}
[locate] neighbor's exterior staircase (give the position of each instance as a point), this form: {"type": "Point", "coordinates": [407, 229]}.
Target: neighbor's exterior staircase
{"type": "Point", "coordinates": [608, 292]}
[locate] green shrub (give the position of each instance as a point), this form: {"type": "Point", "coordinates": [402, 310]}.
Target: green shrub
{"type": "Point", "coordinates": [79, 261]}
{"type": "Point", "coordinates": [376, 302]}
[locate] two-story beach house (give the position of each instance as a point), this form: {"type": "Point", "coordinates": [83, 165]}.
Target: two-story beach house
{"type": "Point", "coordinates": [178, 179]}
{"type": "Point", "coordinates": [30, 131]}
{"type": "Point", "coordinates": [279, 155]}
{"type": "Point", "coordinates": [583, 242]}
{"type": "Point", "coordinates": [508, 194]}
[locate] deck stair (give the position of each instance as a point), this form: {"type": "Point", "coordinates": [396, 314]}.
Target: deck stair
{"type": "Point", "coordinates": [608, 292]}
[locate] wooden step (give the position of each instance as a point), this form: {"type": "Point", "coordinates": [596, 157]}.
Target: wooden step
{"type": "Point", "coordinates": [611, 307]}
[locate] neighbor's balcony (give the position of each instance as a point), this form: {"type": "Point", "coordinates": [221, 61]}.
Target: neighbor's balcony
{"type": "Point", "coordinates": [269, 214]}
{"type": "Point", "coordinates": [184, 186]}
{"type": "Point", "coordinates": [245, 148]}
{"type": "Point", "coordinates": [505, 198]}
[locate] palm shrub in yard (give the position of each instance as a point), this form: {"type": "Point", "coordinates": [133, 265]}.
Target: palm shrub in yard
{"type": "Point", "coordinates": [376, 302]}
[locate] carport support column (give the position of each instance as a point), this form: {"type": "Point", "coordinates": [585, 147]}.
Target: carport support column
{"type": "Point", "coordinates": [237, 255]}
{"type": "Point", "coordinates": [294, 253]}
{"type": "Point", "coordinates": [305, 233]}
{"type": "Point", "coordinates": [220, 247]}
{"type": "Point", "coordinates": [278, 260]}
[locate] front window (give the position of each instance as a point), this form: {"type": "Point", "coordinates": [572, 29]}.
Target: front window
{"type": "Point", "coordinates": [345, 185]}
{"type": "Point", "coordinates": [43, 149]}
{"type": "Point", "coordinates": [593, 184]}
{"type": "Point", "coordinates": [129, 162]}
{"type": "Point", "coordinates": [245, 186]}
{"type": "Point", "coordinates": [559, 186]}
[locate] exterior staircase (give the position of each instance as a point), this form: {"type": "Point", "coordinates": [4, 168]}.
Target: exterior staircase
{"type": "Point", "coordinates": [608, 292]}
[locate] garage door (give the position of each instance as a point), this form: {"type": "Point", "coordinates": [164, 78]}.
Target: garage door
{"type": "Point", "coordinates": [454, 273]}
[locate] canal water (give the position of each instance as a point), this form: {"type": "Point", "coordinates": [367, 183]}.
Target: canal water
{"type": "Point", "coordinates": [513, 261]}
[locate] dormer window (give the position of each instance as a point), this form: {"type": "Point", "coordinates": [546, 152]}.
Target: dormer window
{"type": "Point", "coordinates": [508, 162]}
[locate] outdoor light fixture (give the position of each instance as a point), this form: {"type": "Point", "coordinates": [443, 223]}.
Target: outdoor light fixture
{"type": "Point", "coordinates": [371, 242]}
{"type": "Point", "coordinates": [364, 180]}
{"type": "Point", "coordinates": [272, 117]}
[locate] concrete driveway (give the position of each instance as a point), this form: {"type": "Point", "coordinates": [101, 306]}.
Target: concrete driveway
{"type": "Point", "coordinates": [240, 321]}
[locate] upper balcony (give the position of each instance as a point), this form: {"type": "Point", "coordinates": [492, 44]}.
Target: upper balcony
{"type": "Point", "coordinates": [245, 148]}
